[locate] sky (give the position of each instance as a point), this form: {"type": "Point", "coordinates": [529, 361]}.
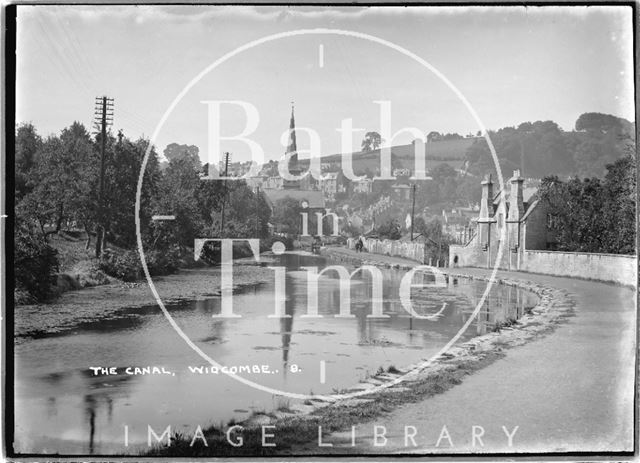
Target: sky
{"type": "Point", "coordinates": [511, 64]}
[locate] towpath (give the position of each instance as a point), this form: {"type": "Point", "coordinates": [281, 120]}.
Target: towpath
{"type": "Point", "coordinates": [569, 391]}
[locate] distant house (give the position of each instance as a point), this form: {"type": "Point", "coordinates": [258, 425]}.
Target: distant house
{"type": "Point", "coordinates": [402, 191]}
{"type": "Point", "coordinates": [517, 217]}
{"type": "Point", "coordinates": [256, 182]}
{"type": "Point", "coordinates": [331, 184]}
{"type": "Point", "coordinates": [459, 223]}
{"type": "Point", "coordinates": [274, 183]}
{"type": "Point", "coordinates": [362, 185]}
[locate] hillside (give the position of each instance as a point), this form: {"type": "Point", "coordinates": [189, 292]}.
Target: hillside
{"type": "Point", "coordinates": [451, 152]}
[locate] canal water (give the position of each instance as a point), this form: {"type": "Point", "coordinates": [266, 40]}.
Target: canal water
{"type": "Point", "coordinates": [62, 407]}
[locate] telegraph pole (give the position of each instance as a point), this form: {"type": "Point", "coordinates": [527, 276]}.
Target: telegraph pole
{"type": "Point", "coordinates": [104, 117]}
{"type": "Point", "coordinates": [224, 189]}
{"type": "Point", "coordinates": [413, 207]}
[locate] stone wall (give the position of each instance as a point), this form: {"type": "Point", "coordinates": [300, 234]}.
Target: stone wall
{"type": "Point", "coordinates": [405, 249]}
{"type": "Point", "coordinates": [615, 268]}
{"type": "Point", "coordinates": [469, 255]}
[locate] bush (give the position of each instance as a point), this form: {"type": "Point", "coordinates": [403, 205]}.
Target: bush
{"type": "Point", "coordinates": [265, 244]}
{"type": "Point", "coordinates": [36, 264]}
{"type": "Point", "coordinates": [389, 230]}
{"type": "Point", "coordinates": [163, 262]}
{"type": "Point", "coordinates": [125, 266]}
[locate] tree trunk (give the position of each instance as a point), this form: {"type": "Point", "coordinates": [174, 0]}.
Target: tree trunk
{"type": "Point", "coordinates": [88, 244]}
{"type": "Point", "coordinates": [98, 241]}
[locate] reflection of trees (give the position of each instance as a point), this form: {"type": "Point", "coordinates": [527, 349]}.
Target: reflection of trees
{"type": "Point", "coordinates": [90, 414]}
{"type": "Point", "coordinates": [101, 398]}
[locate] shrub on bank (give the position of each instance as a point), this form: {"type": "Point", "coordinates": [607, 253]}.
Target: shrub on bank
{"type": "Point", "coordinates": [126, 265]}
{"type": "Point", "coordinates": [266, 243]}
{"type": "Point", "coordinates": [35, 266]}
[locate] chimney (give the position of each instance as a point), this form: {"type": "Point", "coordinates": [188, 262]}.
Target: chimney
{"type": "Point", "coordinates": [486, 203]}
{"type": "Point", "coordinates": [516, 203]}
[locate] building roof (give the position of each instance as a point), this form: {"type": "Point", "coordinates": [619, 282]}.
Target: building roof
{"type": "Point", "coordinates": [527, 194]}
{"type": "Point", "coordinates": [313, 197]}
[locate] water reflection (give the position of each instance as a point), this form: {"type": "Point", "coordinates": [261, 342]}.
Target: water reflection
{"type": "Point", "coordinates": [59, 401]}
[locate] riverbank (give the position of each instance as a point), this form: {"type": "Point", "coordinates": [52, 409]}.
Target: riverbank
{"type": "Point", "coordinates": [112, 301]}
{"type": "Point", "coordinates": [296, 428]}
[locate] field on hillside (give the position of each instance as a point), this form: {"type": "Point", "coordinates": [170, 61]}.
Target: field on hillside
{"type": "Point", "coordinates": [450, 152]}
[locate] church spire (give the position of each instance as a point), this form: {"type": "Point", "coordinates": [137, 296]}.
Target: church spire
{"type": "Point", "coordinates": [292, 146]}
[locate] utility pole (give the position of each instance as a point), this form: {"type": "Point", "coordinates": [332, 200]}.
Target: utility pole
{"type": "Point", "coordinates": [257, 217]}
{"type": "Point", "coordinates": [224, 189]}
{"type": "Point", "coordinates": [413, 207]}
{"type": "Point", "coordinates": [104, 117]}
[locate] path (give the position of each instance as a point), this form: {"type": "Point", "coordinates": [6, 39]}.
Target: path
{"type": "Point", "coordinates": [570, 391]}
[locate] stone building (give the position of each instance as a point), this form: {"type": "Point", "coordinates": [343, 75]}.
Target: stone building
{"type": "Point", "coordinates": [516, 220]}
{"type": "Point", "coordinates": [362, 185]}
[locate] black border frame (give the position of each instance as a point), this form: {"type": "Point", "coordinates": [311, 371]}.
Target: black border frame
{"type": "Point", "coordinates": [9, 16]}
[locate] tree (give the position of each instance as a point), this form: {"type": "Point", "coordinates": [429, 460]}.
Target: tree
{"type": "Point", "coordinates": [286, 216]}
{"type": "Point", "coordinates": [28, 144]}
{"type": "Point", "coordinates": [176, 195]}
{"type": "Point", "coordinates": [124, 162]}
{"type": "Point", "coordinates": [620, 206]}
{"type": "Point", "coordinates": [35, 262]}
{"type": "Point", "coordinates": [592, 215]}
{"type": "Point", "coordinates": [433, 136]}
{"type": "Point", "coordinates": [541, 148]}
{"type": "Point", "coordinates": [389, 230]}
{"type": "Point", "coordinates": [601, 122]}
{"type": "Point", "coordinates": [175, 151]}
{"type": "Point", "coordinates": [371, 141]}
{"type": "Point", "coordinates": [62, 181]}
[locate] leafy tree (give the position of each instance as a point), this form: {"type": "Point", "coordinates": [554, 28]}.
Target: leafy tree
{"type": "Point", "coordinates": [246, 216]}
{"type": "Point", "coordinates": [286, 215]}
{"type": "Point", "coordinates": [175, 196]}
{"type": "Point", "coordinates": [433, 136]}
{"type": "Point", "coordinates": [62, 181]}
{"type": "Point", "coordinates": [592, 215]}
{"type": "Point", "coordinates": [389, 230]}
{"type": "Point", "coordinates": [541, 148]}
{"type": "Point", "coordinates": [28, 144]}
{"type": "Point", "coordinates": [122, 174]}
{"type": "Point", "coordinates": [35, 263]}
{"type": "Point", "coordinates": [601, 122]}
{"type": "Point", "coordinates": [175, 151]}
{"type": "Point", "coordinates": [371, 141]}
{"type": "Point", "coordinates": [270, 169]}
{"type": "Point", "coordinates": [620, 206]}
